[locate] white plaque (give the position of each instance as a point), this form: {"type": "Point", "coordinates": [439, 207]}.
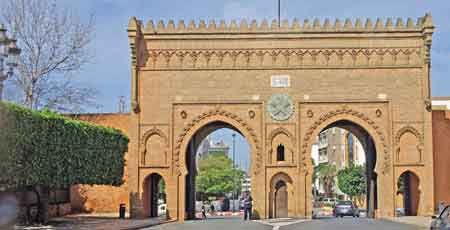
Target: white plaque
{"type": "Point", "coordinates": [280, 81]}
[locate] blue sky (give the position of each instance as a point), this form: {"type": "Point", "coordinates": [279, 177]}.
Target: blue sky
{"type": "Point", "coordinates": [242, 147]}
{"type": "Point", "coordinates": [109, 71]}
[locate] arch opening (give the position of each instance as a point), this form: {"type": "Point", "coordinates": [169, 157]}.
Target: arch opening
{"type": "Point", "coordinates": [281, 190]}
{"type": "Point", "coordinates": [408, 194]}
{"type": "Point", "coordinates": [343, 148]}
{"type": "Point", "coordinates": [225, 144]}
{"type": "Point", "coordinates": [155, 198]}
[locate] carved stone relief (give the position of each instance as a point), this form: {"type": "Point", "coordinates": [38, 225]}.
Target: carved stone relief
{"type": "Point", "coordinates": [409, 146]}
{"type": "Point", "coordinates": [285, 138]}
{"type": "Point", "coordinates": [154, 147]}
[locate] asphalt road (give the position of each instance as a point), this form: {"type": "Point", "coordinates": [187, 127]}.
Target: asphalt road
{"type": "Point", "coordinates": [214, 223]}
{"type": "Point", "coordinates": [349, 223]}
{"type": "Point", "coordinates": [234, 223]}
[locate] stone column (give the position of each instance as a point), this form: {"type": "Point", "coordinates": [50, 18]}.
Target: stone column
{"type": "Point", "coordinates": [371, 159]}
{"type": "Point", "coordinates": [134, 188]}
{"type": "Point", "coordinates": [190, 180]}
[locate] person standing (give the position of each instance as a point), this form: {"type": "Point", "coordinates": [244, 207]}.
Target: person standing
{"type": "Point", "coordinates": [248, 206]}
{"type": "Point", "coordinates": [212, 209]}
{"type": "Point", "coordinates": [203, 211]}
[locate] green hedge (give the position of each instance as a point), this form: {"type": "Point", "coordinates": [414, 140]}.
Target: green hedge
{"type": "Point", "coordinates": [44, 148]}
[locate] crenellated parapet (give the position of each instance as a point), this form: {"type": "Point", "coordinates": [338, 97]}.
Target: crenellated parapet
{"type": "Point", "coordinates": [148, 50]}
{"type": "Point", "coordinates": [296, 26]}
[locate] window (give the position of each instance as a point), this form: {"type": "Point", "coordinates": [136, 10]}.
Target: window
{"type": "Point", "coordinates": [280, 152]}
{"type": "Point", "coordinates": [350, 148]}
{"type": "Point", "coordinates": [323, 155]}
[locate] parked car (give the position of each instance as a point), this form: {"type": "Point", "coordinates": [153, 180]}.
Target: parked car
{"type": "Point", "coordinates": [442, 221]}
{"type": "Point", "coordinates": [162, 209]}
{"type": "Point", "coordinates": [346, 208]}
{"type": "Point", "coordinates": [328, 201]}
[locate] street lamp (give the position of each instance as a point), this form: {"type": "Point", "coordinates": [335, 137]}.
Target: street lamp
{"type": "Point", "coordinates": [9, 57]}
{"type": "Point", "coordinates": [234, 174]}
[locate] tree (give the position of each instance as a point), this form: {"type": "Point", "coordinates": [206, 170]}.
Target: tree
{"type": "Point", "coordinates": [352, 181]}
{"type": "Point", "coordinates": [54, 48]}
{"type": "Point", "coordinates": [216, 175]}
{"type": "Point", "coordinates": [40, 151]}
{"type": "Point", "coordinates": [326, 173]}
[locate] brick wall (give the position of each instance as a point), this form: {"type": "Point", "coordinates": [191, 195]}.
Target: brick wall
{"type": "Point", "coordinates": [97, 198]}
{"type": "Point", "coordinates": [441, 147]}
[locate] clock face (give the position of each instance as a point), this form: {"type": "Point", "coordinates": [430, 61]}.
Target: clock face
{"type": "Point", "coordinates": [280, 107]}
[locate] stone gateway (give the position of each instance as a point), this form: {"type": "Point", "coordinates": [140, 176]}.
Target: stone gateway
{"type": "Point", "coordinates": [280, 86]}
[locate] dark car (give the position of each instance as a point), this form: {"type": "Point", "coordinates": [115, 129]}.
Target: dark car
{"type": "Point", "coordinates": [441, 222]}
{"type": "Point", "coordinates": [345, 208]}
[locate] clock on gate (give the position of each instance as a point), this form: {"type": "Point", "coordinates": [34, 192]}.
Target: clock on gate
{"type": "Point", "coordinates": [280, 107]}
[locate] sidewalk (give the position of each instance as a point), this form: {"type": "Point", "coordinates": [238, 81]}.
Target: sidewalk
{"type": "Point", "coordinates": [97, 221]}
{"type": "Point", "coordinates": [420, 221]}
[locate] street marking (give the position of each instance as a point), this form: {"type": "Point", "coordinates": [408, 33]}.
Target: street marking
{"type": "Point", "coordinates": [277, 223]}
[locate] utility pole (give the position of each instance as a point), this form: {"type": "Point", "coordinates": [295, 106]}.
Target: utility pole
{"type": "Point", "coordinates": [121, 104]}
{"type": "Point", "coordinates": [234, 173]}
{"type": "Point", "coordinates": [279, 13]}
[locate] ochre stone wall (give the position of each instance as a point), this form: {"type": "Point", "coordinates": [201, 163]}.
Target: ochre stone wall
{"type": "Point", "coordinates": [441, 148]}
{"type": "Point", "coordinates": [186, 77]}
{"type": "Point", "coordinates": [99, 198]}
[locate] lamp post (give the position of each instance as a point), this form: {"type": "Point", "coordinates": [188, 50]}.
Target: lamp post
{"type": "Point", "coordinates": [234, 174]}
{"type": "Point", "coordinates": [9, 57]}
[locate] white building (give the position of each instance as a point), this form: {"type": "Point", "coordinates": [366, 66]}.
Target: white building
{"type": "Point", "coordinates": [338, 147]}
{"type": "Point", "coordinates": [246, 184]}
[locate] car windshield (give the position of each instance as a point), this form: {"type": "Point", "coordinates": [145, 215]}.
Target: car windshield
{"type": "Point", "coordinates": [344, 203]}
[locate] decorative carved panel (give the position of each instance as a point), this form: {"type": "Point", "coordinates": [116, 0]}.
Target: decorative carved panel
{"type": "Point", "coordinates": [409, 144]}
{"type": "Point", "coordinates": [285, 138]}
{"type": "Point", "coordinates": [154, 147]}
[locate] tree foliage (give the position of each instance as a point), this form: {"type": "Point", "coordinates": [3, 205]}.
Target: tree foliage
{"type": "Point", "coordinates": [352, 181]}
{"type": "Point", "coordinates": [47, 150]}
{"type": "Point", "coordinates": [44, 148]}
{"type": "Point", "coordinates": [216, 175]}
{"type": "Point", "coordinates": [55, 46]}
{"type": "Point", "coordinates": [326, 174]}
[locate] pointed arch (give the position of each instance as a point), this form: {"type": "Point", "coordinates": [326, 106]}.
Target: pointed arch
{"type": "Point", "coordinates": [289, 148]}
{"type": "Point", "coordinates": [217, 114]}
{"type": "Point", "coordinates": [356, 117]}
{"type": "Point", "coordinates": [413, 155]}
{"type": "Point", "coordinates": [146, 137]}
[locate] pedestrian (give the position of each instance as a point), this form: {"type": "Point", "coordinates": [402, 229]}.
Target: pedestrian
{"type": "Point", "coordinates": [203, 211]}
{"type": "Point", "coordinates": [212, 209]}
{"type": "Point", "coordinates": [248, 206]}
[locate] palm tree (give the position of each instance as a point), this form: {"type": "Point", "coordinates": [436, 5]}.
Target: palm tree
{"type": "Point", "coordinates": [327, 174]}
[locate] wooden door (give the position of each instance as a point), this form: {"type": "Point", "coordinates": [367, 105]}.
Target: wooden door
{"type": "Point", "coordinates": [281, 202]}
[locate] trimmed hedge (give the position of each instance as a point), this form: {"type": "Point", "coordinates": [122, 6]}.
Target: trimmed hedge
{"type": "Point", "coordinates": [45, 148]}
